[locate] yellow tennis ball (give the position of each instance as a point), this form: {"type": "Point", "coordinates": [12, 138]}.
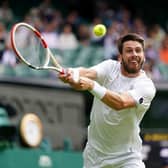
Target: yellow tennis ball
{"type": "Point", "coordinates": [99, 30]}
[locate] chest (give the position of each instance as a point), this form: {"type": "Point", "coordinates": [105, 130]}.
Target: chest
{"type": "Point", "coordinates": [117, 82]}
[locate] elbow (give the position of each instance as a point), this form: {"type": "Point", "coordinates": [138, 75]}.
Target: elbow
{"type": "Point", "coordinates": [123, 105]}
{"type": "Point", "coordinates": [118, 102]}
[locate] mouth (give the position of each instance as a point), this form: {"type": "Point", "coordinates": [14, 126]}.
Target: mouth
{"type": "Point", "coordinates": [134, 62]}
{"type": "Point", "coordinates": [132, 65]}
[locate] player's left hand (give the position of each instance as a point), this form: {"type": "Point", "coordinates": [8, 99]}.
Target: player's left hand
{"type": "Point", "coordinates": [83, 84]}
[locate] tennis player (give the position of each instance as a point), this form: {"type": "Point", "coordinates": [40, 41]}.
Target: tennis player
{"type": "Point", "coordinates": [122, 94]}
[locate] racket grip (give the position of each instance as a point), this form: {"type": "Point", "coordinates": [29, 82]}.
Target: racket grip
{"type": "Point", "coordinates": [64, 71]}
{"type": "Point", "coordinates": [75, 73]}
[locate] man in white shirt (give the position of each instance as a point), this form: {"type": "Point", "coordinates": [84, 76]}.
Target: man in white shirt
{"type": "Point", "coordinates": [122, 94]}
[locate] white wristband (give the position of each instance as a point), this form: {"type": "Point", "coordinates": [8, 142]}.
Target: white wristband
{"type": "Point", "coordinates": [75, 74]}
{"type": "Point", "coordinates": [98, 90]}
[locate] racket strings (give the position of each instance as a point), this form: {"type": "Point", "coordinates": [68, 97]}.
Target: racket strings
{"type": "Point", "coordinates": [30, 47]}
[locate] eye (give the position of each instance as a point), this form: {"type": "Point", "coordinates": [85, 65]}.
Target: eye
{"type": "Point", "coordinates": [138, 50]}
{"type": "Point", "coordinates": [129, 51]}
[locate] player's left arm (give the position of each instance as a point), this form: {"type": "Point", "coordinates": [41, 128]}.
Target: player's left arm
{"type": "Point", "coordinates": [118, 101]}
{"type": "Point", "coordinates": [114, 100]}
{"type": "Point", "coordinates": [142, 94]}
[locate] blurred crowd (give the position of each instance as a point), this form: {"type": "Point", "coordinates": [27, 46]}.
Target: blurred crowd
{"type": "Point", "coordinates": [69, 31]}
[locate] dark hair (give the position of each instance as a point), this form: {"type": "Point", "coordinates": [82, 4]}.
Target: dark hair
{"type": "Point", "coordinates": [128, 37]}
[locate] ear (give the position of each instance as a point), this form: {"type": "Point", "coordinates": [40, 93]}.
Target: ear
{"type": "Point", "coordinates": [144, 59]}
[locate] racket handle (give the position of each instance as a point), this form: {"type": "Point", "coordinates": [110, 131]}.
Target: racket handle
{"type": "Point", "coordinates": [64, 71]}
{"type": "Point", "coordinates": [75, 74]}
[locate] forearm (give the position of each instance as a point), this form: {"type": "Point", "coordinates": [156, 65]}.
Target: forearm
{"type": "Point", "coordinates": [113, 99]}
{"type": "Point", "coordinates": [117, 101]}
{"type": "Point", "coordinates": [87, 72]}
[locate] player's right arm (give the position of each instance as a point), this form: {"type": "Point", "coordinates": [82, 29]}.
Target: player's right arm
{"type": "Point", "coordinates": [79, 72]}
{"type": "Point", "coordinates": [97, 72]}
{"type": "Point", "coordinates": [88, 73]}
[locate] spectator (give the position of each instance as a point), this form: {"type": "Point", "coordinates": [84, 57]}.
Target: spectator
{"type": "Point", "coordinates": [6, 13]}
{"type": "Point", "coordinates": [159, 35]}
{"type": "Point", "coordinates": [75, 20]}
{"type": "Point", "coordinates": [163, 51]}
{"type": "Point", "coordinates": [67, 39]}
{"type": "Point", "coordinates": [50, 31]}
{"type": "Point", "coordinates": [94, 39]}
{"type": "Point", "coordinates": [110, 46]}
{"type": "Point", "coordinates": [3, 35]}
{"type": "Point", "coordinates": [139, 26]}
{"type": "Point", "coordinates": [152, 59]}
{"type": "Point", "coordinates": [8, 57]}
{"type": "Point", "coordinates": [83, 34]}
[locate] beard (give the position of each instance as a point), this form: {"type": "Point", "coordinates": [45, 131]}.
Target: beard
{"type": "Point", "coordinates": [132, 70]}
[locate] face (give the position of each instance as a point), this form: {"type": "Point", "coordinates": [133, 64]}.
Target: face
{"type": "Point", "coordinates": [132, 57]}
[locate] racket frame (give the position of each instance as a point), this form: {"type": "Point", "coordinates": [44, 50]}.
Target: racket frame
{"type": "Point", "coordinates": [57, 67]}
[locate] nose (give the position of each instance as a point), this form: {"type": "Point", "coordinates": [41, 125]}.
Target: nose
{"type": "Point", "coordinates": [134, 53]}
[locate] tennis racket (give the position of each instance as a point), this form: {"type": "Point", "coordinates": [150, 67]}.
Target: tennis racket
{"type": "Point", "coordinates": [31, 48]}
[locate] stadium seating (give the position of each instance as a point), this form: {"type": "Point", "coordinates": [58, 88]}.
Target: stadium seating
{"type": "Point", "coordinates": [82, 56]}
{"type": "Point", "coordinates": [22, 70]}
{"type": "Point", "coordinates": [163, 68]}
{"type": "Point", "coordinates": [4, 120]}
{"type": "Point", "coordinates": [6, 70]}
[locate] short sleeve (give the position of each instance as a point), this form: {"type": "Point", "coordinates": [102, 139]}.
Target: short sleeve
{"type": "Point", "coordinates": [143, 93]}
{"type": "Point", "coordinates": [105, 68]}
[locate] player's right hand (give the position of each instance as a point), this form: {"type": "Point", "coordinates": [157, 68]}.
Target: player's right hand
{"type": "Point", "coordinates": [66, 77]}
{"type": "Point", "coordinates": [70, 76]}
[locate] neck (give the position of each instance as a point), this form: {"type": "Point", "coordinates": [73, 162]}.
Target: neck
{"type": "Point", "coordinates": [130, 75]}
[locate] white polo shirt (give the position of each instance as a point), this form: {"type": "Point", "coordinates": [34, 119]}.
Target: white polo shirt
{"type": "Point", "coordinates": [114, 132]}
